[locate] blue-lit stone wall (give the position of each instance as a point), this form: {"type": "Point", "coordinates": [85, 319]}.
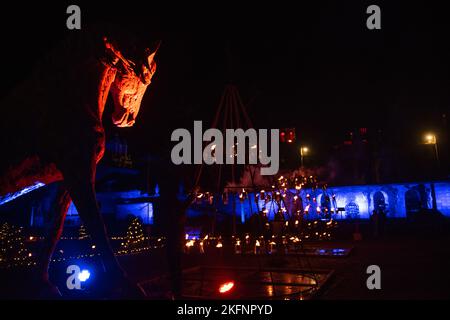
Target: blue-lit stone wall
{"type": "Point", "coordinates": [354, 202]}
{"type": "Point", "coordinates": [443, 197]}
{"type": "Point", "coordinates": [109, 204]}
{"type": "Point", "coordinates": [142, 210]}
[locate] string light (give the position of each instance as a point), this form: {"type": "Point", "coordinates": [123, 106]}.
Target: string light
{"type": "Point", "coordinates": [135, 238]}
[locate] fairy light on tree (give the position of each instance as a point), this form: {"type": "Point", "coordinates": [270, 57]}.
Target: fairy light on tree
{"type": "Point", "coordinates": [135, 238]}
{"type": "Point", "coordinates": [12, 247]}
{"type": "Point", "coordinates": [82, 233]}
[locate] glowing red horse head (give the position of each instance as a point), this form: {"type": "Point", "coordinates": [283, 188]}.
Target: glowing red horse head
{"type": "Point", "coordinates": [130, 83]}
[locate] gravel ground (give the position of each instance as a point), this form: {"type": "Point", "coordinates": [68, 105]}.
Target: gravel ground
{"type": "Point", "coordinates": [411, 268]}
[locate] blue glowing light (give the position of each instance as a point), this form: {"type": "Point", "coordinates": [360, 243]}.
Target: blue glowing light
{"type": "Point", "coordinates": [192, 235]}
{"type": "Point", "coordinates": [84, 275]}
{"type": "Point", "coordinates": [11, 196]}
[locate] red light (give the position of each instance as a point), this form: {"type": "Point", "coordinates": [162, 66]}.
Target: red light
{"type": "Point", "coordinates": [226, 287]}
{"type": "Point", "coordinates": [291, 134]}
{"type": "Point", "coordinates": [287, 135]}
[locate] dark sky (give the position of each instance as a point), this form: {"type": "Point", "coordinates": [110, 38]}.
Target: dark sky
{"type": "Point", "coordinates": [313, 67]}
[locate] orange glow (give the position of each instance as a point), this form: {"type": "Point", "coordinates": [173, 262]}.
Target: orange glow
{"type": "Point", "coordinates": [226, 287]}
{"type": "Point", "coordinates": [430, 139]}
{"type": "Point", "coordinates": [190, 243]}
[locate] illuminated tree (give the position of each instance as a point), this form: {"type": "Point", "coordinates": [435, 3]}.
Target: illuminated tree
{"type": "Point", "coordinates": [135, 235]}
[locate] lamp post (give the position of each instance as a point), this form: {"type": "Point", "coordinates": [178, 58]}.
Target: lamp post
{"type": "Point", "coordinates": [303, 152]}
{"type": "Point", "coordinates": [430, 138]}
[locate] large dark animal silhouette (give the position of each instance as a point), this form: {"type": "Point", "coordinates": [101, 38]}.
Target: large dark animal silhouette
{"type": "Point", "coordinates": [52, 127]}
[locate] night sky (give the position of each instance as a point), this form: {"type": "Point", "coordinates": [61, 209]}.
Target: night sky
{"type": "Point", "coordinates": [313, 67]}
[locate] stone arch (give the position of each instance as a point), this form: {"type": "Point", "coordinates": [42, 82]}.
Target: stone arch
{"type": "Point", "coordinates": [377, 196]}
{"type": "Point", "coordinates": [323, 200]}
{"type": "Point", "coordinates": [413, 201]}
{"type": "Point", "coordinates": [319, 198]}
{"type": "Point", "coordinates": [352, 210]}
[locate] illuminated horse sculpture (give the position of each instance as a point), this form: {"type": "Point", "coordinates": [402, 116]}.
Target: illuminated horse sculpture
{"type": "Point", "coordinates": [51, 126]}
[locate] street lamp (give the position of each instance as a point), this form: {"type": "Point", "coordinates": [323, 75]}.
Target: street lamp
{"type": "Point", "coordinates": [430, 138]}
{"type": "Point", "coordinates": [303, 152]}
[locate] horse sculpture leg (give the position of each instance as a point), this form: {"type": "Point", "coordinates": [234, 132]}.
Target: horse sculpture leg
{"type": "Point", "coordinates": [79, 177]}
{"type": "Point", "coordinates": [54, 233]}
{"type": "Point", "coordinates": [83, 196]}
